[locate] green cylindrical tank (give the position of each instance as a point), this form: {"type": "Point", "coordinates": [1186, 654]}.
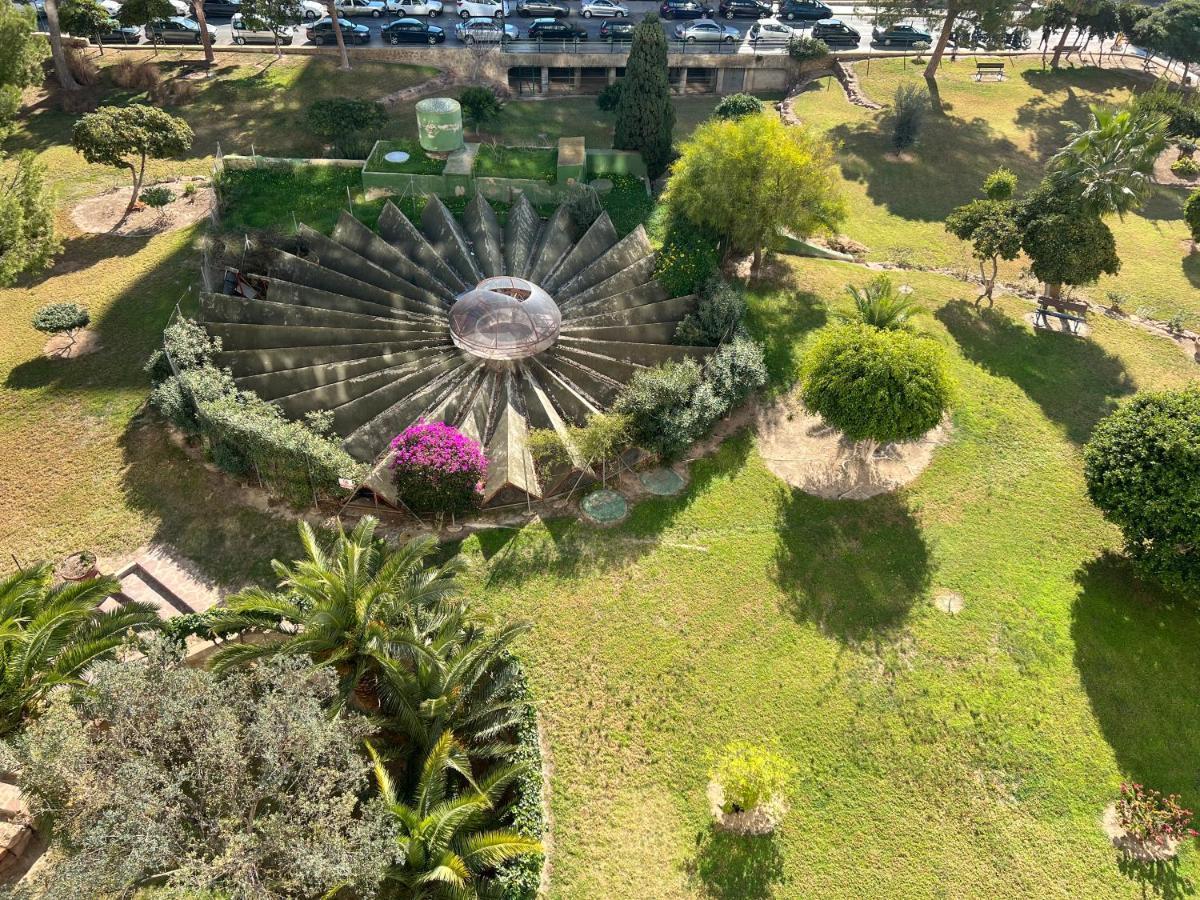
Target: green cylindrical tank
{"type": "Point", "coordinates": [439, 124]}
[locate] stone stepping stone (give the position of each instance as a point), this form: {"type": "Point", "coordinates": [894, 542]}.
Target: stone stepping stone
{"type": "Point", "coordinates": [604, 507]}
{"type": "Point", "coordinates": [661, 482]}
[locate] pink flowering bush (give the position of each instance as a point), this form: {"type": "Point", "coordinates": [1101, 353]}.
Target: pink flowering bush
{"type": "Point", "coordinates": [1151, 817]}
{"type": "Point", "coordinates": [437, 468]}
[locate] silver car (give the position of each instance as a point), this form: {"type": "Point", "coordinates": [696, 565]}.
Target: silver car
{"type": "Point", "coordinates": [611, 8]}
{"type": "Point", "coordinates": [483, 31]}
{"type": "Point", "coordinates": [707, 31]}
{"type": "Point", "coordinates": [770, 32]}
{"type": "Point", "coordinates": [415, 8]}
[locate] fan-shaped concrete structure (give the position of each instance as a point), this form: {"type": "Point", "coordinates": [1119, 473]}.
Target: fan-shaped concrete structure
{"type": "Point", "coordinates": [496, 329]}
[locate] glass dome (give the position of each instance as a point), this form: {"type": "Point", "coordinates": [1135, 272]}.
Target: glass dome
{"type": "Point", "coordinates": [504, 318]}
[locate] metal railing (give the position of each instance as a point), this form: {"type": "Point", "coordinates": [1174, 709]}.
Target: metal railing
{"type": "Point", "coordinates": [696, 48]}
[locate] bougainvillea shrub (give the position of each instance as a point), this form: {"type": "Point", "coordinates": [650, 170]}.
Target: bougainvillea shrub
{"type": "Point", "coordinates": [1153, 817]}
{"type": "Point", "coordinates": [437, 468]}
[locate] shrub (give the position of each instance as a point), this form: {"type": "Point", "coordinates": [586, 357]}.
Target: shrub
{"type": "Point", "coordinates": [348, 123]}
{"type": "Point", "coordinates": [734, 372]}
{"type": "Point", "coordinates": [688, 257]}
{"type": "Point", "coordinates": [480, 105]}
{"type": "Point", "coordinates": [805, 48]}
{"type": "Point", "coordinates": [158, 197]}
{"type": "Point", "coordinates": [751, 777]}
{"type": "Point", "coordinates": [717, 318]}
{"type": "Point", "coordinates": [437, 468]}
{"type": "Point", "coordinates": [1142, 466]}
{"type": "Point", "coordinates": [1191, 214]}
{"type": "Point", "coordinates": [85, 71]}
{"type": "Point", "coordinates": [879, 305]}
{"type": "Point", "coordinates": [1186, 146]}
{"type": "Point", "coordinates": [909, 105]}
{"type": "Point", "coordinates": [136, 76]}
{"type": "Point", "coordinates": [583, 203]}
{"type": "Point", "coordinates": [609, 97]}
{"type": "Point", "coordinates": [1152, 818]}
{"type": "Point", "coordinates": [881, 386]}
{"type": "Point", "coordinates": [1182, 110]}
{"type": "Point", "coordinates": [1186, 167]}
{"type": "Point", "coordinates": [735, 106]}
{"type": "Point", "coordinates": [61, 318]}
{"type": "Point", "coordinates": [1000, 185]}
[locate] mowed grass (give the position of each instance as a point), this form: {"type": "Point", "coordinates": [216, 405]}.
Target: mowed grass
{"type": "Point", "coordinates": [939, 755]}
{"type": "Point", "coordinates": [897, 207]}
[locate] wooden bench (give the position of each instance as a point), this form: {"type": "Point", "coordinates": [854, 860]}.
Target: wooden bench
{"type": "Point", "coordinates": [989, 68]}
{"type": "Point", "coordinates": [1070, 313]}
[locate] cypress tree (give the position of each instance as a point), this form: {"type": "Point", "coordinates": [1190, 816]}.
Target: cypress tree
{"type": "Point", "coordinates": [645, 116]}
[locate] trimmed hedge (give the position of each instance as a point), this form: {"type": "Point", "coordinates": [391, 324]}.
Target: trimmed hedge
{"type": "Point", "coordinates": [519, 879]}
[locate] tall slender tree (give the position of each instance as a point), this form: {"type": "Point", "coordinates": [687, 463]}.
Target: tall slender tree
{"type": "Point", "coordinates": [332, 10]}
{"type": "Point", "coordinates": [645, 116]}
{"type": "Point", "coordinates": [205, 36]}
{"type": "Point", "coordinates": [62, 71]}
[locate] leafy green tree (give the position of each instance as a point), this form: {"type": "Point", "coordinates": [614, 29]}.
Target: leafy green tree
{"type": "Point", "coordinates": [1065, 14]}
{"type": "Point", "coordinates": [777, 177]}
{"type": "Point", "coordinates": [1191, 215]}
{"type": "Point", "coordinates": [880, 305]}
{"type": "Point", "coordinates": [28, 237]}
{"type": "Point", "coordinates": [447, 839]}
{"type": "Point", "coordinates": [53, 636]}
{"type": "Point", "coordinates": [645, 115]}
{"type": "Point", "coordinates": [991, 15]}
{"type": "Point", "coordinates": [1065, 240]}
{"type": "Point", "coordinates": [991, 228]}
{"type": "Point", "coordinates": [126, 136]}
{"type": "Point", "coordinates": [61, 318]}
{"type": "Point", "coordinates": [876, 386]}
{"type": "Point", "coordinates": [275, 16]}
{"type": "Point", "coordinates": [1109, 163]}
{"type": "Point", "coordinates": [752, 777]}
{"type": "Point", "coordinates": [734, 106]}
{"type": "Point", "coordinates": [342, 607]}
{"type": "Point", "coordinates": [22, 51]}
{"type": "Point", "coordinates": [480, 105]}
{"type": "Point", "coordinates": [84, 18]}
{"type": "Point", "coordinates": [140, 13]}
{"type": "Point", "coordinates": [1142, 466]}
{"type": "Point", "coordinates": [1102, 22]}
{"type": "Point", "coordinates": [1173, 30]}
{"type": "Point", "coordinates": [161, 775]}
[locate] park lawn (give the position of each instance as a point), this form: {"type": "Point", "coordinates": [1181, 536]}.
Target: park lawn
{"type": "Point", "coordinates": [897, 207]}
{"type": "Point", "coordinates": [953, 756]}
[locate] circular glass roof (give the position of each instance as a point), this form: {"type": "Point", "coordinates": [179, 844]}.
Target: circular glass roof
{"type": "Point", "coordinates": [504, 318]}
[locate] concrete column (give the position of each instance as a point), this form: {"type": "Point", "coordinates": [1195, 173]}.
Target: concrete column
{"type": "Point", "coordinates": [748, 82]}
{"type": "Point", "coordinates": [577, 72]}
{"type": "Point", "coordinates": [682, 79]}
{"type": "Point", "coordinates": [612, 75]}
{"type": "Point", "coordinates": [720, 80]}
{"type": "Point", "coordinates": [545, 87]}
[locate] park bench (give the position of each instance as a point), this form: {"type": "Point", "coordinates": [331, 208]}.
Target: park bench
{"type": "Point", "coordinates": [989, 68]}
{"type": "Point", "coordinates": [1070, 313]}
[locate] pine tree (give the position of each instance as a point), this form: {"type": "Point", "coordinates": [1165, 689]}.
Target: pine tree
{"type": "Point", "coordinates": [645, 116]}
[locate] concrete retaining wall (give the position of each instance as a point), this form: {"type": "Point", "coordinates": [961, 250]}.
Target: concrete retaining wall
{"type": "Point", "coordinates": [602, 163]}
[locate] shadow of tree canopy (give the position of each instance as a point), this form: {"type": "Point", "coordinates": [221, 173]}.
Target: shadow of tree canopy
{"type": "Point", "coordinates": [854, 568]}
{"type": "Point", "coordinates": [1164, 203]}
{"type": "Point", "coordinates": [1191, 267]}
{"type": "Point", "coordinates": [1074, 380]}
{"type": "Point", "coordinates": [735, 867]}
{"type": "Point", "coordinates": [1157, 879]}
{"type": "Point", "coordinates": [779, 318]}
{"type": "Point", "coordinates": [1135, 649]}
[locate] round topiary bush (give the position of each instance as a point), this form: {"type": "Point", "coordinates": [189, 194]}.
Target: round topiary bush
{"type": "Point", "coordinates": [874, 385]}
{"type": "Point", "coordinates": [61, 318]}
{"type": "Point", "coordinates": [735, 106]}
{"type": "Point", "coordinates": [437, 468]}
{"type": "Point", "coordinates": [1142, 467]}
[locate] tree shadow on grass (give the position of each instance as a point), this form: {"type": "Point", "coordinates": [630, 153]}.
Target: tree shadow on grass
{"type": "Point", "coordinates": [1135, 649]}
{"type": "Point", "coordinates": [854, 568]}
{"type": "Point", "coordinates": [1191, 266]}
{"type": "Point", "coordinates": [1074, 380]}
{"type": "Point", "coordinates": [735, 867]}
{"type": "Point", "coordinates": [779, 318]}
{"type": "Point", "coordinates": [1157, 879]}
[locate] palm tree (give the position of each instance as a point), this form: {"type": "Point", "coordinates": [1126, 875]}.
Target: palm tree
{"type": "Point", "coordinates": [445, 833]}
{"type": "Point", "coordinates": [344, 608]}
{"type": "Point", "coordinates": [1109, 163]}
{"type": "Point", "coordinates": [452, 674]}
{"type": "Point", "coordinates": [878, 304]}
{"type": "Point", "coordinates": [51, 636]}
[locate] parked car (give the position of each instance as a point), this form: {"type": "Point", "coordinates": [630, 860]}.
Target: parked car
{"type": "Point", "coordinates": [220, 9]}
{"type": "Point", "coordinates": [706, 31]}
{"type": "Point", "coordinates": [412, 31]}
{"type": "Point", "coordinates": [554, 30]}
{"type": "Point", "coordinates": [745, 9]}
{"type": "Point", "coordinates": [175, 30]}
{"type": "Point", "coordinates": [902, 35]}
{"type": "Point", "coordinates": [482, 9]}
{"type": "Point", "coordinates": [250, 33]}
{"type": "Point", "coordinates": [770, 32]}
{"type": "Point", "coordinates": [836, 33]}
{"type": "Point", "coordinates": [321, 32]}
{"type": "Point", "coordinates": [804, 10]}
{"type": "Point", "coordinates": [616, 32]}
{"type": "Point", "coordinates": [542, 9]}
{"type": "Point", "coordinates": [485, 31]}
{"type": "Point", "coordinates": [355, 8]}
{"type": "Point", "coordinates": [412, 8]}
{"type": "Point", "coordinates": [609, 8]}
{"type": "Point", "coordinates": [684, 9]}
{"type": "Point", "coordinates": [311, 10]}
{"type": "Point", "coordinates": [116, 33]}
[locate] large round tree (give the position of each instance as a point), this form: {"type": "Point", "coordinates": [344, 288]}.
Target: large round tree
{"type": "Point", "coordinates": [645, 116]}
{"type": "Point", "coordinates": [749, 178]}
{"type": "Point", "coordinates": [1142, 466]}
{"type": "Point", "coordinates": [876, 386]}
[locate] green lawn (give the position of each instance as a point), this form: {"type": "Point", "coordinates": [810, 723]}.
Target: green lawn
{"type": "Point", "coordinates": [897, 207]}
{"type": "Point", "coordinates": [499, 161]}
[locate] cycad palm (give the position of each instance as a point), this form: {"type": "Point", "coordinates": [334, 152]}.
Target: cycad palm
{"type": "Point", "coordinates": [1110, 162]}
{"type": "Point", "coordinates": [880, 306]}
{"type": "Point", "coordinates": [445, 833]}
{"type": "Point", "coordinates": [454, 674]}
{"type": "Point", "coordinates": [344, 608]}
{"type": "Point", "coordinates": [51, 636]}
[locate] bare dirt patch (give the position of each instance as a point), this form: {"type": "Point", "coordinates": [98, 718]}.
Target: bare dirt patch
{"type": "Point", "coordinates": [60, 346]}
{"type": "Point", "coordinates": [102, 214]}
{"type": "Point", "coordinates": [759, 821]}
{"type": "Point", "coordinates": [1142, 851]}
{"type": "Point", "coordinates": [798, 447]}
{"type": "Point", "coordinates": [1163, 173]}
{"type": "Point", "coordinates": [948, 601]}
